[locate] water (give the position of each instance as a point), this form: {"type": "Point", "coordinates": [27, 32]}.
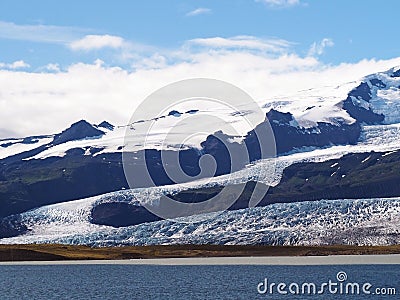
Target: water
{"type": "Point", "coordinates": [181, 282]}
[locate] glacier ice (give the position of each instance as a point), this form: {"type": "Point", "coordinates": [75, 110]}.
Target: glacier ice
{"type": "Point", "coordinates": [324, 222]}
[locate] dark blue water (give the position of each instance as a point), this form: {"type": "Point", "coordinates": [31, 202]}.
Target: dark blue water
{"type": "Point", "coordinates": [186, 282]}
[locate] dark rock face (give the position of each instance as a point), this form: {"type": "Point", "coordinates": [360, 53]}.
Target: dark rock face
{"type": "Point", "coordinates": [106, 125]}
{"type": "Point", "coordinates": [354, 176]}
{"type": "Point", "coordinates": [396, 74]}
{"type": "Point", "coordinates": [174, 113]}
{"type": "Point", "coordinates": [356, 111]}
{"type": "Point", "coordinates": [75, 152]}
{"type": "Point", "coordinates": [227, 154]}
{"type": "Point", "coordinates": [120, 214]}
{"type": "Point", "coordinates": [279, 118]}
{"type": "Point", "coordinates": [77, 131]}
{"type": "Point", "coordinates": [378, 83]}
{"type": "Point", "coordinates": [361, 114]}
{"type": "Point", "coordinates": [204, 194]}
{"type": "Point", "coordinates": [5, 145]}
{"type": "Point", "coordinates": [34, 183]}
{"type": "Point", "coordinates": [188, 162]}
{"type": "Point", "coordinates": [363, 91]}
{"type": "Point", "coordinates": [288, 137]}
{"type": "Point", "coordinates": [192, 111]}
{"type": "Point", "coordinates": [11, 227]}
{"type": "Point", "coordinates": [29, 140]}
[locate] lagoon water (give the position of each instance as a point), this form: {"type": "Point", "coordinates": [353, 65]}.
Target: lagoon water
{"type": "Point", "coordinates": [132, 281]}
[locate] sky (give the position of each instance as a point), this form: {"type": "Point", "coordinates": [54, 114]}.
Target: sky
{"type": "Point", "coordinates": [62, 61]}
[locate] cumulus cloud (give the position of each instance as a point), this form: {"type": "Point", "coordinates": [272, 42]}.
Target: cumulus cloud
{"type": "Point", "coordinates": [318, 48]}
{"type": "Point", "coordinates": [19, 64]}
{"type": "Point", "coordinates": [198, 11]}
{"type": "Point", "coordinates": [41, 103]}
{"type": "Point", "coordinates": [280, 3]}
{"type": "Point", "coordinates": [95, 42]}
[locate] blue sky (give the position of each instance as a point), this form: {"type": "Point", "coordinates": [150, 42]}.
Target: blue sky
{"type": "Point", "coordinates": [62, 61]}
{"type": "Point", "coordinates": [356, 29]}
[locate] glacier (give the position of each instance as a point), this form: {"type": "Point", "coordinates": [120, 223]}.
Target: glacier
{"type": "Point", "coordinates": [360, 222]}
{"type": "Point", "coordinates": [351, 222]}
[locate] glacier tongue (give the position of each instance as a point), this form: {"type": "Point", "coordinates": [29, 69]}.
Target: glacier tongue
{"type": "Point", "coordinates": [359, 222]}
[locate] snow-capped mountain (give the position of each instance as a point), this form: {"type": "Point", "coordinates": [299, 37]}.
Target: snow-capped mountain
{"type": "Point", "coordinates": [332, 143]}
{"type": "Point", "coordinates": [373, 100]}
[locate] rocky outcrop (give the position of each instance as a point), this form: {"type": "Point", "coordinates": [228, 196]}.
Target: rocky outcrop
{"type": "Point", "coordinates": [77, 131]}
{"type": "Point", "coordinates": [12, 226]}
{"type": "Point", "coordinates": [106, 125]}
{"type": "Point", "coordinates": [359, 96]}
{"type": "Point", "coordinates": [120, 214]}
{"type": "Point", "coordinates": [289, 136]}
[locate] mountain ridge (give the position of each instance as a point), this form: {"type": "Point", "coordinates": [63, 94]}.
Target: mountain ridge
{"type": "Point", "coordinates": [84, 158]}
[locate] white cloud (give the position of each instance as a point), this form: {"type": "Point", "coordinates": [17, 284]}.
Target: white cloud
{"type": "Point", "coordinates": [198, 11]}
{"type": "Point", "coordinates": [243, 42]}
{"type": "Point", "coordinates": [40, 33]}
{"type": "Point", "coordinates": [41, 103]}
{"type": "Point", "coordinates": [74, 38]}
{"type": "Point", "coordinates": [52, 67]}
{"type": "Point", "coordinates": [19, 64]}
{"type": "Point", "coordinates": [94, 42]}
{"type": "Point", "coordinates": [318, 48]}
{"type": "Point", "coordinates": [280, 3]}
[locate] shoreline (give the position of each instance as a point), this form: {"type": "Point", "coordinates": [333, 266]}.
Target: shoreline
{"type": "Point", "coordinates": [201, 254]}
{"type": "Point", "coordinates": [385, 259]}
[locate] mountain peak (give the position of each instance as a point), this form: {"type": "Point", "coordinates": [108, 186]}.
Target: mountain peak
{"type": "Point", "coordinates": [77, 131]}
{"type": "Point", "coordinates": [106, 125]}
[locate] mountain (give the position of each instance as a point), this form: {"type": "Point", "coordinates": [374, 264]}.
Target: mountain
{"type": "Point", "coordinates": [290, 136]}
{"type": "Point", "coordinates": [353, 176]}
{"type": "Point", "coordinates": [78, 131]}
{"type": "Point", "coordinates": [332, 143]}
